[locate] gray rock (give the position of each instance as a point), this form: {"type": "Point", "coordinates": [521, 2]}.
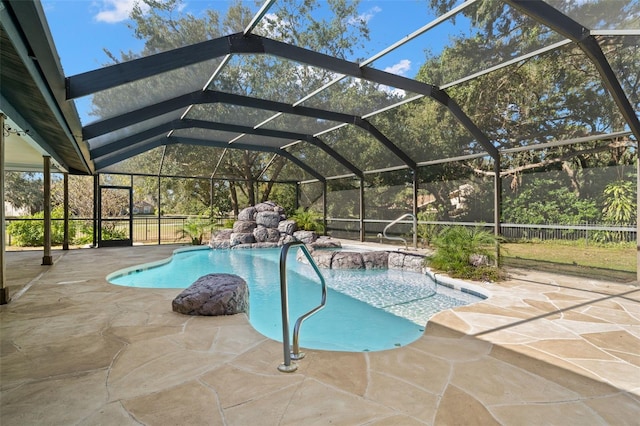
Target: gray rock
{"type": "Point", "coordinates": [266, 235]}
{"type": "Point", "coordinates": [264, 245]}
{"type": "Point", "coordinates": [285, 239]}
{"type": "Point", "coordinates": [413, 263]}
{"type": "Point", "coordinates": [225, 244]}
{"type": "Point", "coordinates": [248, 213]}
{"type": "Point", "coordinates": [325, 243]}
{"type": "Point", "coordinates": [214, 294]}
{"type": "Point", "coordinates": [268, 219]}
{"type": "Point", "coordinates": [323, 258]}
{"type": "Point", "coordinates": [347, 260]}
{"type": "Point", "coordinates": [243, 246]}
{"type": "Point", "coordinates": [478, 260]}
{"type": "Point", "coordinates": [241, 238]}
{"type": "Point", "coordinates": [244, 226]}
{"type": "Point", "coordinates": [222, 235]}
{"type": "Point", "coordinates": [306, 237]}
{"type": "Point", "coordinates": [288, 227]}
{"type": "Point", "coordinates": [375, 259]}
{"type": "Point", "coordinates": [395, 260]}
{"type": "Point", "coordinates": [267, 206]}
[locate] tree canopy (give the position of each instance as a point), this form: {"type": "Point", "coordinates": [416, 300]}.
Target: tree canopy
{"type": "Point", "coordinates": [550, 97]}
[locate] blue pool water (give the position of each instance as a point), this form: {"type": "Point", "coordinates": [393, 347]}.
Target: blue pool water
{"type": "Point", "coordinates": [366, 310]}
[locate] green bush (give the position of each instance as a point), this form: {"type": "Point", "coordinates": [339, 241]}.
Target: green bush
{"type": "Point", "coordinates": [195, 229]}
{"type": "Point", "coordinates": [427, 231]}
{"type": "Point", "coordinates": [30, 233]}
{"type": "Point", "coordinates": [454, 247]}
{"type": "Point", "coordinates": [308, 220]}
{"type": "Point", "coordinates": [112, 233]}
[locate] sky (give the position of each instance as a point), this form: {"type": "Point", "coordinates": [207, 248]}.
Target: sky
{"type": "Point", "coordinates": [82, 29]}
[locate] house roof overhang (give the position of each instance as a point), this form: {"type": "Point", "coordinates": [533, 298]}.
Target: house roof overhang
{"type": "Point", "coordinates": [39, 120]}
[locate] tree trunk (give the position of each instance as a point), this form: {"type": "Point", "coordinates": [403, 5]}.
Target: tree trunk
{"type": "Point", "coordinates": [247, 162]}
{"type": "Point", "coordinates": [277, 168]}
{"type": "Point", "coordinates": [234, 198]}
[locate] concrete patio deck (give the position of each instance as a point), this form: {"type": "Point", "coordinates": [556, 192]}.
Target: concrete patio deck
{"type": "Point", "coordinates": [544, 349]}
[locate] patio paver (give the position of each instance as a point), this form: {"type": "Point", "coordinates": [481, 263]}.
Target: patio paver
{"type": "Point", "coordinates": [545, 349]}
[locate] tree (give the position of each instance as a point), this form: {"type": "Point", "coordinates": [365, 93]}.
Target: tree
{"type": "Point", "coordinates": [555, 96]}
{"type": "Point", "coordinates": [163, 26]}
{"type": "Point", "coordinates": [24, 190]}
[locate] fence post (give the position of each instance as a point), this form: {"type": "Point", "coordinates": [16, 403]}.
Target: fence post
{"type": "Point", "coordinates": [586, 233]}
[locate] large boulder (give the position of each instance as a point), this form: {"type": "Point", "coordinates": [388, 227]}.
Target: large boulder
{"type": "Point", "coordinates": [406, 261]}
{"type": "Point", "coordinates": [286, 239]}
{"type": "Point", "coordinates": [244, 226]}
{"type": "Point", "coordinates": [214, 294]}
{"type": "Point", "coordinates": [375, 259]}
{"type": "Point", "coordinates": [269, 219]}
{"type": "Point", "coordinates": [306, 237]}
{"type": "Point", "coordinates": [267, 206]}
{"type": "Point", "coordinates": [413, 263]}
{"type": "Point", "coordinates": [287, 227]}
{"type": "Point", "coordinates": [247, 214]}
{"type": "Point", "coordinates": [347, 260]}
{"type": "Point", "coordinates": [266, 235]}
{"type": "Point", "coordinates": [221, 239]}
{"type": "Point", "coordinates": [241, 238]}
{"type": "Point", "coordinates": [323, 258]}
{"type": "Point", "coordinates": [395, 260]}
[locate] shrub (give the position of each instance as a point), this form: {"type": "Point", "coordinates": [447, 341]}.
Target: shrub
{"type": "Point", "coordinates": [195, 229]}
{"type": "Point", "coordinates": [308, 220]}
{"type": "Point", "coordinates": [454, 247]}
{"type": "Point", "coordinates": [427, 231]}
{"type": "Point", "coordinates": [30, 233]}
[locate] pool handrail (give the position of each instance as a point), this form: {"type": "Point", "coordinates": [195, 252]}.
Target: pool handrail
{"type": "Point", "coordinates": [294, 352]}
{"type": "Point", "coordinates": [415, 230]}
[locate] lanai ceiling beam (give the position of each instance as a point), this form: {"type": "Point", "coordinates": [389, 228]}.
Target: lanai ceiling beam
{"type": "Point", "coordinates": [223, 144]}
{"type": "Point", "coordinates": [104, 78]}
{"type": "Point", "coordinates": [124, 120]}
{"type": "Point", "coordinates": [142, 147]}
{"type": "Point", "coordinates": [188, 123]}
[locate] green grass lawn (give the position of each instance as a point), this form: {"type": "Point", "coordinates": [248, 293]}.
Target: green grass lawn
{"type": "Point", "coordinates": [606, 262]}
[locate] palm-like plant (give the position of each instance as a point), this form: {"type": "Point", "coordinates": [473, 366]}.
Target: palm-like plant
{"type": "Point", "coordinates": [194, 229]}
{"type": "Point", "coordinates": [308, 220]}
{"type": "Point", "coordinates": [455, 245]}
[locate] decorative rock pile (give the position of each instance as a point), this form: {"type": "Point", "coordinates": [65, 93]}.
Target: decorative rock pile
{"type": "Point", "coordinates": [264, 225]}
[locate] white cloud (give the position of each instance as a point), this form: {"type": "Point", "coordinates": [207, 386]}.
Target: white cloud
{"type": "Point", "coordinates": [366, 16]}
{"type": "Point", "coordinates": [114, 11]}
{"type": "Point", "coordinates": [401, 68]}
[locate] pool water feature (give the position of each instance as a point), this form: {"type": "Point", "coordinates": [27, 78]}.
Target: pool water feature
{"type": "Point", "coordinates": [367, 310]}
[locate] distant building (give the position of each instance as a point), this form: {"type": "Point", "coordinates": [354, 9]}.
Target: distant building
{"type": "Point", "coordinates": [143, 207]}
{"type": "Point", "coordinates": [10, 210]}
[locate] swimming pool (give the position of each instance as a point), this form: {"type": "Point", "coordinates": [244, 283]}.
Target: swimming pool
{"type": "Point", "coordinates": [363, 312]}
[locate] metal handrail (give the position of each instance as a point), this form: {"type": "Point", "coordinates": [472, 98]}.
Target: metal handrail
{"type": "Point", "coordinates": [289, 352]}
{"type": "Point", "coordinates": [415, 230]}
